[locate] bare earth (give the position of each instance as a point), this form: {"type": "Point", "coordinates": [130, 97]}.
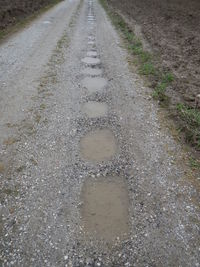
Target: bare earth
{"type": "Point", "coordinates": [59, 151]}
{"type": "Point", "coordinates": [172, 29]}
{"type": "Point", "coordinates": [14, 11]}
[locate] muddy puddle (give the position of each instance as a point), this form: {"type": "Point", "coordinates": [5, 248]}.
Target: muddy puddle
{"type": "Point", "coordinates": [99, 145]}
{"type": "Point", "coordinates": [92, 54]}
{"type": "Point", "coordinates": [95, 109]}
{"type": "Point", "coordinates": [91, 61]}
{"type": "Point", "coordinates": [92, 43]}
{"type": "Point", "coordinates": [104, 211]}
{"type": "Point", "coordinates": [92, 71]}
{"type": "Point", "coordinates": [94, 84]}
{"type": "Point", "coordinates": [91, 38]}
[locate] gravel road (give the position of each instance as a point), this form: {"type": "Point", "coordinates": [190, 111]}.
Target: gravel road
{"type": "Point", "coordinates": [89, 174]}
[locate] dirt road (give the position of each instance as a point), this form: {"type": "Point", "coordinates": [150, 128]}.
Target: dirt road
{"type": "Point", "coordinates": [89, 177]}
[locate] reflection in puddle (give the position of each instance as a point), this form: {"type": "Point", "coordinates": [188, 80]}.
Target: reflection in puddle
{"type": "Point", "coordinates": [95, 109]}
{"type": "Point", "coordinates": [92, 54]}
{"type": "Point", "coordinates": [98, 145]}
{"type": "Point", "coordinates": [92, 71]}
{"type": "Point", "coordinates": [91, 38]}
{"type": "Point", "coordinates": [92, 43]}
{"type": "Point", "coordinates": [94, 84]}
{"type": "Point", "coordinates": [46, 22]}
{"type": "Point", "coordinates": [105, 208]}
{"type": "Point", "coordinates": [91, 61]}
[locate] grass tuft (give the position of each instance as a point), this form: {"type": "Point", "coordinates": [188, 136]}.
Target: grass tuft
{"type": "Point", "coordinates": [147, 69]}
{"type": "Point", "coordinates": [191, 119]}
{"type": "Point", "coordinates": [194, 163]}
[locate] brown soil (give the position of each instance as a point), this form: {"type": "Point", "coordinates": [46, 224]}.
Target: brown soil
{"type": "Point", "coordinates": [172, 28]}
{"type": "Point", "coordinates": [11, 11]}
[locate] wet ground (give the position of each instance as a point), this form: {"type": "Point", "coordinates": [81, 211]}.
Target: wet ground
{"type": "Point", "coordinates": [88, 175]}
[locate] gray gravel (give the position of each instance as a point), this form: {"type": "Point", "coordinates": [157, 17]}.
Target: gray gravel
{"type": "Point", "coordinates": [43, 170]}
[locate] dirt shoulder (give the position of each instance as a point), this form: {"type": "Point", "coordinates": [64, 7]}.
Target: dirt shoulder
{"type": "Point", "coordinates": [170, 31]}
{"type": "Point", "coordinates": [12, 12]}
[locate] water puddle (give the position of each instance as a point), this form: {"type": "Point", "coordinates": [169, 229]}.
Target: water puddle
{"type": "Point", "coordinates": [91, 61]}
{"type": "Point", "coordinates": [94, 84]}
{"type": "Point", "coordinates": [46, 22]}
{"type": "Point", "coordinates": [105, 208]}
{"type": "Point", "coordinates": [92, 54]}
{"type": "Point", "coordinates": [91, 38]}
{"type": "Point", "coordinates": [92, 43]}
{"type": "Point", "coordinates": [98, 145]}
{"type": "Point", "coordinates": [95, 109]}
{"type": "Point", "coordinates": [92, 71]}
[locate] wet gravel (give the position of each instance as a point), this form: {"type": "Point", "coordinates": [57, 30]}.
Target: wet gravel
{"type": "Point", "coordinates": [41, 221]}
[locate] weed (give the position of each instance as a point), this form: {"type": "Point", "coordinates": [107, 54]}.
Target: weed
{"type": "Point", "coordinates": [191, 115]}
{"type": "Point", "coordinates": [160, 90]}
{"type": "Point", "coordinates": [145, 56]}
{"type": "Point", "coordinates": [147, 69]}
{"type": "Point", "coordinates": [191, 119]}
{"type": "Point", "coordinates": [194, 163]}
{"type": "Point", "coordinates": [168, 78]}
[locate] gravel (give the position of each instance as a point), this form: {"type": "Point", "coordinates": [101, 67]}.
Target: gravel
{"type": "Point", "coordinates": [41, 222]}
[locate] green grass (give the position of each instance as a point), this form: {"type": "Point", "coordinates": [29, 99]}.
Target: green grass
{"type": "Point", "coordinates": [147, 69]}
{"type": "Point", "coordinates": [168, 77]}
{"type": "Point", "coordinates": [194, 163]}
{"type": "Point", "coordinates": [191, 119]}
{"type": "Point", "coordinates": [191, 115]}
{"type": "Point", "coordinates": [159, 91]}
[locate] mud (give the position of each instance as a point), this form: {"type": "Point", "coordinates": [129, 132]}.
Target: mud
{"type": "Point", "coordinates": [94, 84]}
{"type": "Point", "coordinates": [105, 208]}
{"type": "Point", "coordinates": [95, 109]}
{"type": "Point", "coordinates": [98, 145]}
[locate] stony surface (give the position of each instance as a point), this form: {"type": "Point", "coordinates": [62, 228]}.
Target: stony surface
{"type": "Point", "coordinates": [42, 172]}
